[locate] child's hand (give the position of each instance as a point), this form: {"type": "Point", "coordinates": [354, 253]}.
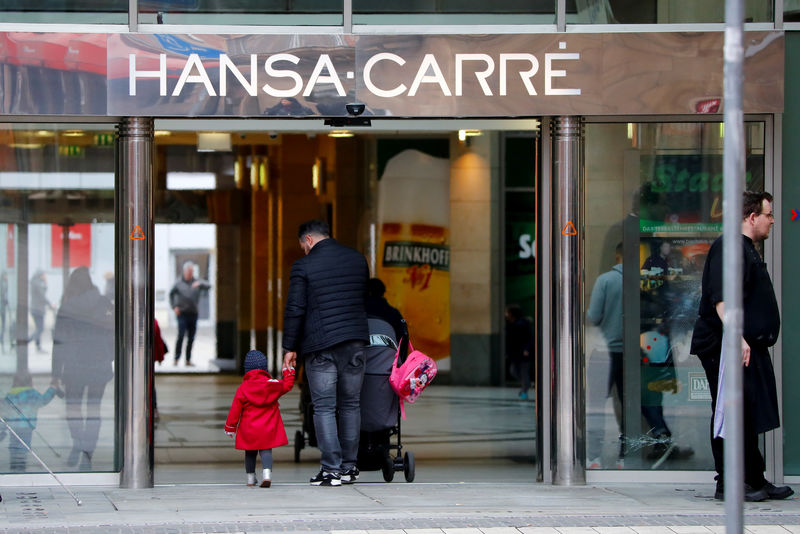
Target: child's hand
{"type": "Point", "coordinates": [230, 434]}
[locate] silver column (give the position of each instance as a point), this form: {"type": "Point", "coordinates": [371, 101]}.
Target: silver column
{"type": "Point", "coordinates": [568, 415]}
{"type": "Point", "coordinates": [135, 299]}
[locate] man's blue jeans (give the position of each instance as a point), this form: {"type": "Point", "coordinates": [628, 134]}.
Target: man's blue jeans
{"type": "Point", "coordinates": [334, 379]}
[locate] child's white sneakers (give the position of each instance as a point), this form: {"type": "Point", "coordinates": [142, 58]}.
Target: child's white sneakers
{"type": "Point", "coordinates": [251, 479]}
{"type": "Point", "coordinates": [266, 479]}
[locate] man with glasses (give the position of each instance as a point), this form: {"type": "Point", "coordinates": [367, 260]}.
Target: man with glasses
{"type": "Point", "coordinates": [760, 331]}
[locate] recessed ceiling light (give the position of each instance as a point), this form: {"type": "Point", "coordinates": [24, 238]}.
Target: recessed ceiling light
{"type": "Point", "coordinates": [340, 133]}
{"type": "Point", "coordinates": [73, 133]}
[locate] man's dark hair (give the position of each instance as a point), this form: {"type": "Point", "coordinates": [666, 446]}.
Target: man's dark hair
{"type": "Point", "coordinates": [315, 227]}
{"type": "Point", "coordinates": [752, 202]}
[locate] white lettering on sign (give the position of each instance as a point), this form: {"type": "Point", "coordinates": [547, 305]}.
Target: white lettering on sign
{"type": "Point", "coordinates": [194, 61]}
{"type": "Point", "coordinates": [374, 89]}
{"type": "Point", "coordinates": [480, 75]}
{"type": "Point", "coordinates": [225, 65]}
{"type": "Point", "coordinates": [527, 247]}
{"type": "Point", "coordinates": [549, 73]}
{"type": "Point", "coordinates": [429, 63]}
{"type": "Point", "coordinates": [493, 74]}
{"type": "Point", "coordinates": [324, 62]}
{"type": "Point", "coordinates": [525, 75]}
{"type": "Point", "coordinates": [161, 73]}
{"type": "Point", "coordinates": [275, 73]}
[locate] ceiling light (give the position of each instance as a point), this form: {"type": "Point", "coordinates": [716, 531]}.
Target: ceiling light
{"type": "Point", "coordinates": [162, 133]}
{"type": "Point", "coordinates": [341, 133]}
{"type": "Point", "coordinates": [26, 145]}
{"type": "Point", "coordinates": [45, 133]}
{"type": "Point", "coordinates": [214, 142]}
{"type": "Point", "coordinates": [72, 133]}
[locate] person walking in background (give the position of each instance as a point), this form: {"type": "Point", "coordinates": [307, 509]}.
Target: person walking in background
{"type": "Point", "coordinates": [761, 324]}
{"type": "Point", "coordinates": [326, 322]}
{"type": "Point", "coordinates": [183, 297]}
{"type": "Point", "coordinates": [38, 306]}
{"type": "Point", "coordinates": [3, 308]}
{"type": "Point", "coordinates": [519, 347]}
{"type": "Point", "coordinates": [255, 418]}
{"type": "Point", "coordinates": [83, 356]}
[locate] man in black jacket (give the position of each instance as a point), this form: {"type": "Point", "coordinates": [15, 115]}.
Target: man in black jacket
{"type": "Point", "coordinates": [326, 322]}
{"type": "Point", "coordinates": [761, 324]}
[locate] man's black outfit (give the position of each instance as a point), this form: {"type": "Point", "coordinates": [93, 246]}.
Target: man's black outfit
{"type": "Point", "coordinates": [760, 330]}
{"type": "Point", "coordinates": [325, 321]}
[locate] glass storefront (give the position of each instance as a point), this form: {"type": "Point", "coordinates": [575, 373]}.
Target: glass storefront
{"type": "Point", "coordinates": [653, 208]}
{"type": "Point", "coordinates": [249, 12]}
{"type": "Point", "coordinates": [65, 11]}
{"type": "Point", "coordinates": [455, 12]}
{"type": "Point", "coordinates": [57, 334]}
{"type": "Point", "coordinates": [669, 12]}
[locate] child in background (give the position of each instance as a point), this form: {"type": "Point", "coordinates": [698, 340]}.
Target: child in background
{"type": "Point", "coordinates": [255, 417]}
{"type": "Point", "coordinates": [20, 408]}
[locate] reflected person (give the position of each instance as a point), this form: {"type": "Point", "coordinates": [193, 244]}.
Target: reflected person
{"type": "Point", "coordinates": [38, 306]}
{"type": "Point", "coordinates": [605, 311]}
{"type": "Point", "coordinates": [184, 297]}
{"type": "Point", "coordinates": [519, 347]}
{"type": "Point", "coordinates": [83, 354]}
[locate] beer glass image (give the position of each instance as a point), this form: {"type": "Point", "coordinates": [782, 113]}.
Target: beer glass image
{"type": "Point", "coordinates": [414, 251]}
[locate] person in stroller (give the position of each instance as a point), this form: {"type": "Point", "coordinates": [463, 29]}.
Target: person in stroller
{"type": "Point", "coordinates": [378, 307]}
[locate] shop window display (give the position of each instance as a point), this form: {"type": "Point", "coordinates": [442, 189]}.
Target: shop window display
{"type": "Point", "coordinates": [648, 404]}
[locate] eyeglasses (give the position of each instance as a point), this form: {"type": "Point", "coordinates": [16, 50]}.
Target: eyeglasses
{"type": "Point", "coordinates": [770, 216]}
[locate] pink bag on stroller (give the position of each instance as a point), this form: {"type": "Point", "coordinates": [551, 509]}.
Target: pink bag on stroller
{"type": "Point", "coordinates": [410, 374]}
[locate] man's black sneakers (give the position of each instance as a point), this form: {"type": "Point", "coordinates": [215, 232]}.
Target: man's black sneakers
{"type": "Point", "coordinates": [350, 475]}
{"type": "Point", "coordinates": [324, 478]}
{"type": "Point", "coordinates": [777, 492]}
{"type": "Point", "coordinates": [750, 494]}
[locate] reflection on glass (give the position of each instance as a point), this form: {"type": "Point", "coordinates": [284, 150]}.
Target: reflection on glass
{"type": "Point", "coordinates": [250, 12]}
{"type": "Point", "coordinates": [65, 11]}
{"type": "Point", "coordinates": [56, 325]}
{"type": "Point", "coordinates": [455, 12]}
{"type": "Point", "coordinates": [661, 12]}
{"type": "Point", "coordinates": [654, 197]}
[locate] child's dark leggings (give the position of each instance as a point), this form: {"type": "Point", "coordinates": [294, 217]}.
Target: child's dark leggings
{"type": "Point", "coordinates": [250, 460]}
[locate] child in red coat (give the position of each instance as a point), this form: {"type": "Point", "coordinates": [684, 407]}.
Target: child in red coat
{"type": "Point", "coordinates": [255, 417]}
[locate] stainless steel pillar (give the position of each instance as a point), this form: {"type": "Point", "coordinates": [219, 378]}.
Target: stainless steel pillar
{"type": "Point", "coordinates": [135, 299]}
{"type": "Point", "coordinates": [568, 408]}
{"type": "Point", "coordinates": [733, 167]}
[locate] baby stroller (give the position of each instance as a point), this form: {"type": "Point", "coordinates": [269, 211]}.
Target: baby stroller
{"type": "Point", "coordinates": [308, 433]}
{"type": "Point", "coordinates": [380, 409]}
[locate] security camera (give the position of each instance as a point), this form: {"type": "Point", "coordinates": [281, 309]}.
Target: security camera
{"type": "Point", "coordinates": [273, 135]}
{"type": "Point", "coordinates": [355, 109]}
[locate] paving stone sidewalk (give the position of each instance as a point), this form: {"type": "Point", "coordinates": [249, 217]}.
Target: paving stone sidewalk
{"type": "Point", "coordinates": [433, 508]}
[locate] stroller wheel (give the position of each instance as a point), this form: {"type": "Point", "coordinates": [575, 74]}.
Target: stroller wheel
{"type": "Point", "coordinates": [408, 466]}
{"type": "Point", "coordinates": [299, 443]}
{"type": "Point", "coordinates": [388, 468]}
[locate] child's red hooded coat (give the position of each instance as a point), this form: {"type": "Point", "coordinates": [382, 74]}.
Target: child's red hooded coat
{"type": "Point", "coordinates": [254, 414]}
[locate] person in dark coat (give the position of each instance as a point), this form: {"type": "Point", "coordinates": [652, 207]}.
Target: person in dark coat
{"type": "Point", "coordinates": [760, 331]}
{"type": "Point", "coordinates": [83, 353]}
{"type": "Point", "coordinates": [39, 305]}
{"type": "Point", "coordinates": [519, 347]}
{"type": "Point", "coordinates": [377, 306]}
{"type": "Point", "coordinates": [184, 297]}
{"type": "Point", "coordinates": [255, 418]}
{"type": "Point", "coordinates": [326, 322]}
